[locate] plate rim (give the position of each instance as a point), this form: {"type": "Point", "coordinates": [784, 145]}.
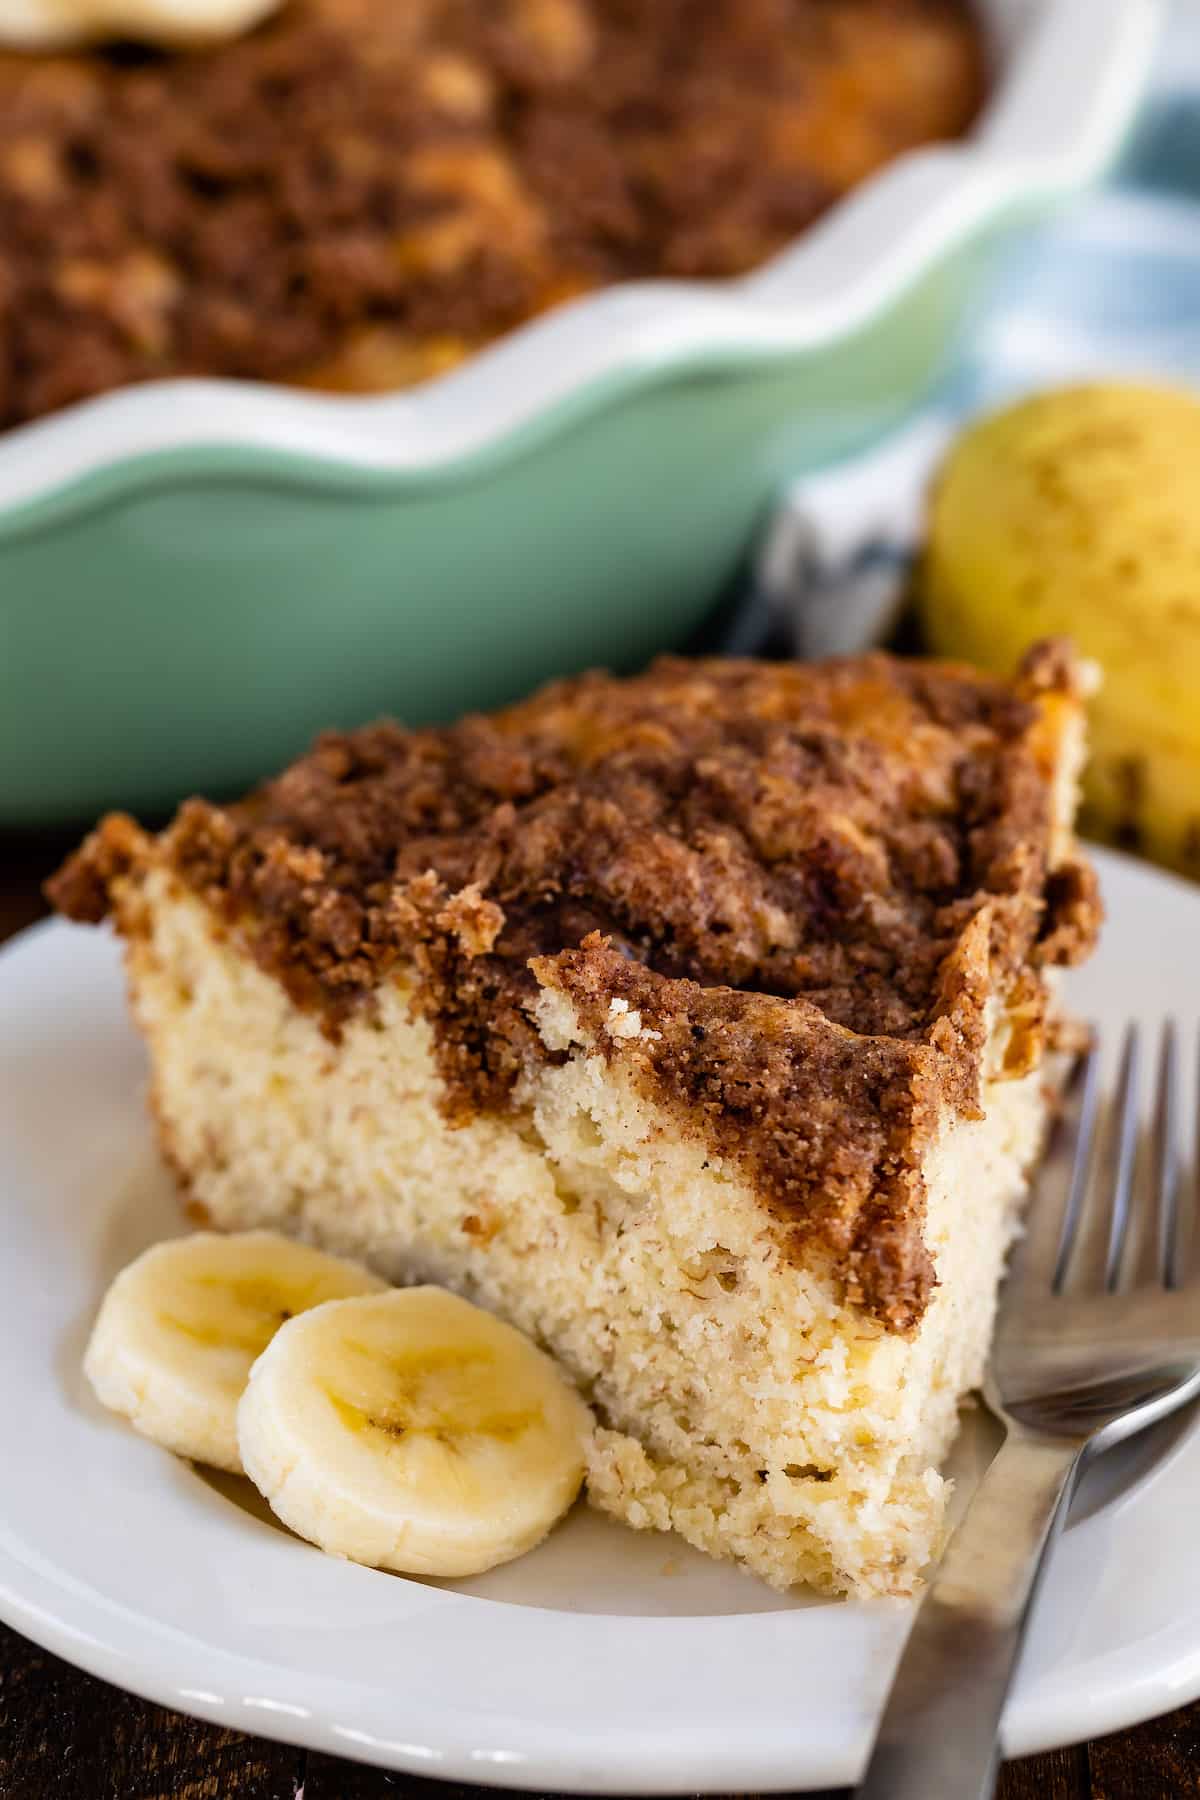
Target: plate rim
{"type": "Point", "coordinates": [86, 1631]}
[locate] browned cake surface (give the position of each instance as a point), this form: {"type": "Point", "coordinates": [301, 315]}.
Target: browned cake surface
{"type": "Point", "coordinates": [807, 879]}
{"type": "Point", "coordinates": [364, 190]}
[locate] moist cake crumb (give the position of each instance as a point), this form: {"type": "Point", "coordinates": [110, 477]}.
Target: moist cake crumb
{"type": "Point", "coordinates": [698, 1024]}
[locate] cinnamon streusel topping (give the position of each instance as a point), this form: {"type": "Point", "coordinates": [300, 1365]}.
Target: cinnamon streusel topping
{"type": "Point", "coordinates": [363, 191]}
{"type": "Point", "coordinates": [808, 881]}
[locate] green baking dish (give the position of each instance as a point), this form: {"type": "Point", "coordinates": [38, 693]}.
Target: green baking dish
{"type": "Point", "coordinates": [195, 576]}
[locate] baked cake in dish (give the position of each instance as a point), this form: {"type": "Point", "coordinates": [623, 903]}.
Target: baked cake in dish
{"type": "Point", "coordinates": [361, 192]}
{"type": "Point", "coordinates": [698, 1023]}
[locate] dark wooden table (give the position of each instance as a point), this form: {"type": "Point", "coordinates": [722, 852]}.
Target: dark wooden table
{"type": "Point", "coordinates": [65, 1736]}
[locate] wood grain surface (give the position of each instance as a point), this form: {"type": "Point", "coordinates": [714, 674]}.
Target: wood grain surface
{"type": "Point", "coordinates": [66, 1736]}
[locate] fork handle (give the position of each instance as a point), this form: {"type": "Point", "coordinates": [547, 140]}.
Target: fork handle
{"type": "Point", "coordinates": [939, 1738]}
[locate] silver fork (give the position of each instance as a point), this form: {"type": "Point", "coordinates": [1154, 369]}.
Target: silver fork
{"type": "Point", "coordinates": [1078, 1364]}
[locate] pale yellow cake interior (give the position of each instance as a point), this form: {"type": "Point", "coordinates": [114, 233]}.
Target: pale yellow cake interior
{"type": "Point", "coordinates": [740, 1401]}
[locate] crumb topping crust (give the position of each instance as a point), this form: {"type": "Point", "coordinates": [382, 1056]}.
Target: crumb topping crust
{"type": "Point", "coordinates": [809, 881]}
{"type": "Point", "coordinates": [362, 192]}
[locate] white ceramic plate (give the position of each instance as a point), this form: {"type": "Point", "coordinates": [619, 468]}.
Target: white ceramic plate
{"type": "Point", "coordinates": [607, 1661]}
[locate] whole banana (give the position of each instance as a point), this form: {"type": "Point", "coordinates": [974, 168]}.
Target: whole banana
{"type": "Point", "coordinates": [1078, 513]}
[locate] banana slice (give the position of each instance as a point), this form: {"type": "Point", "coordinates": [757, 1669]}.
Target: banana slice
{"type": "Point", "coordinates": [180, 1328]}
{"type": "Point", "coordinates": [412, 1431]}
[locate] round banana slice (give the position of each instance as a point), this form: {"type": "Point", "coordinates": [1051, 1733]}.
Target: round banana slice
{"type": "Point", "coordinates": [180, 1328]}
{"type": "Point", "coordinates": [412, 1431]}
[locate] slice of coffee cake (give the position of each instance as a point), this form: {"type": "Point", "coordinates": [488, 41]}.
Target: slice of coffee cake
{"type": "Point", "coordinates": [696, 1023]}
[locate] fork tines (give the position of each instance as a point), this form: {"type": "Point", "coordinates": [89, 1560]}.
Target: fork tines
{"type": "Point", "coordinates": [1118, 1198]}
